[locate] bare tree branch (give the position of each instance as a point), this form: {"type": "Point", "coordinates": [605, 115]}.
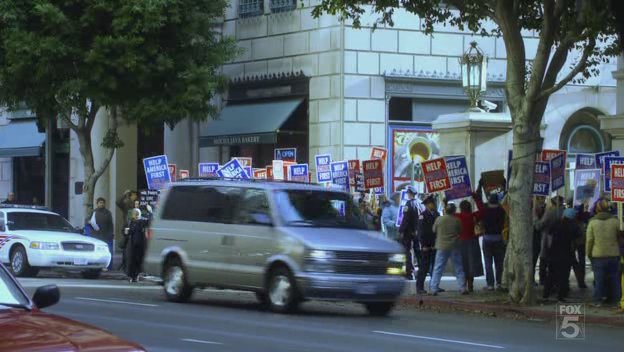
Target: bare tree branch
{"type": "Point", "coordinates": [507, 20]}
{"type": "Point", "coordinates": [91, 116]}
{"type": "Point", "coordinates": [580, 67]}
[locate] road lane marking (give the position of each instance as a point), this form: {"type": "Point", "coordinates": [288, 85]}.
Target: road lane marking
{"type": "Point", "coordinates": [438, 339]}
{"type": "Point", "coordinates": [116, 301]}
{"type": "Point", "coordinates": [202, 341]}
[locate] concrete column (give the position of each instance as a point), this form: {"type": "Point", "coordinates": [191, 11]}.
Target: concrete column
{"type": "Point", "coordinates": [178, 146]}
{"type": "Point", "coordinates": [49, 164]}
{"type": "Point", "coordinates": [614, 124]}
{"type": "Point", "coordinates": [123, 171]}
{"type": "Point", "coordinates": [483, 138]}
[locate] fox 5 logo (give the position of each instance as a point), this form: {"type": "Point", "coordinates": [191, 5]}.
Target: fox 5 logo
{"type": "Point", "coordinates": [570, 321]}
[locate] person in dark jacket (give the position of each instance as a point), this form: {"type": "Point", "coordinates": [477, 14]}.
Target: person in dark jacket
{"type": "Point", "coordinates": [104, 229]}
{"type": "Point", "coordinates": [545, 225]}
{"type": "Point", "coordinates": [427, 239]}
{"type": "Point", "coordinates": [583, 216]}
{"type": "Point", "coordinates": [492, 217]}
{"type": "Point", "coordinates": [407, 230]}
{"type": "Point", "coordinates": [560, 254]}
{"type": "Point", "coordinates": [11, 199]}
{"type": "Point", "coordinates": [136, 245]}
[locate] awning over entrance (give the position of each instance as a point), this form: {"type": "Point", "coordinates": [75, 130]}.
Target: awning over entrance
{"type": "Point", "coordinates": [20, 138]}
{"type": "Point", "coordinates": [256, 123]}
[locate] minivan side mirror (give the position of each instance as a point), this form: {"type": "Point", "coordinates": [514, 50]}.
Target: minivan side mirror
{"type": "Point", "coordinates": [46, 296]}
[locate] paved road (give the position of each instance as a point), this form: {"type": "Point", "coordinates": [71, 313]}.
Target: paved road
{"type": "Point", "coordinates": [233, 321]}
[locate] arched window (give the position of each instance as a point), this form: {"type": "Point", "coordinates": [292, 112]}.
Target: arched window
{"type": "Point", "coordinates": [585, 139]}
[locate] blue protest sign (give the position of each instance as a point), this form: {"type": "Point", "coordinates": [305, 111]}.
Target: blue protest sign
{"type": "Point", "coordinates": [608, 161]}
{"type": "Point", "coordinates": [156, 172]}
{"type": "Point", "coordinates": [340, 174]}
{"type": "Point", "coordinates": [600, 157]}
{"type": "Point", "coordinates": [323, 168]}
{"type": "Point", "coordinates": [541, 179]}
{"type": "Point", "coordinates": [457, 169]}
{"type": "Point", "coordinates": [233, 169]}
{"type": "Point", "coordinates": [585, 161]}
{"type": "Point", "coordinates": [401, 208]}
{"type": "Point", "coordinates": [557, 172]}
{"type": "Point", "coordinates": [298, 172]}
{"type": "Point", "coordinates": [208, 169]}
{"type": "Point", "coordinates": [286, 154]}
{"type": "Point", "coordinates": [587, 187]}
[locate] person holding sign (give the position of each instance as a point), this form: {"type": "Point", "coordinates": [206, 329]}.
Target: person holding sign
{"type": "Point", "coordinates": [492, 218]}
{"type": "Point", "coordinates": [407, 230]}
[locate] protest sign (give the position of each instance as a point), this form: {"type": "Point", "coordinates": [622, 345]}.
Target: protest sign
{"type": "Point", "coordinates": [608, 163]}
{"type": "Point", "coordinates": [457, 169]}
{"type": "Point", "coordinates": [359, 182]}
{"type": "Point", "coordinates": [436, 175]}
{"type": "Point", "coordinates": [557, 172]}
{"type": "Point", "coordinates": [149, 197]}
{"type": "Point", "coordinates": [247, 164]}
{"type": "Point", "coordinates": [548, 154]}
{"type": "Point", "coordinates": [269, 172]}
{"type": "Point", "coordinates": [340, 174]}
{"type": "Point", "coordinates": [298, 173]}
{"type": "Point", "coordinates": [173, 172]}
{"type": "Point", "coordinates": [260, 174]}
{"type": "Point", "coordinates": [541, 179]}
{"type": "Point", "coordinates": [379, 153]}
{"type": "Point", "coordinates": [373, 174]}
{"type": "Point", "coordinates": [207, 169]}
{"type": "Point", "coordinates": [278, 170]}
{"type": "Point", "coordinates": [585, 161]}
{"type": "Point", "coordinates": [354, 168]}
{"type": "Point", "coordinates": [323, 168]}
{"type": "Point", "coordinates": [600, 157]}
{"type": "Point", "coordinates": [401, 208]}
{"type": "Point", "coordinates": [617, 183]}
{"type": "Point", "coordinates": [184, 174]}
{"type": "Point", "coordinates": [286, 154]}
{"type": "Point", "coordinates": [586, 186]}
{"type": "Point", "coordinates": [493, 180]}
{"type": "Point", "coordinates": [156, 172]}
{"type": "Point", "coordinates": [232, 169]}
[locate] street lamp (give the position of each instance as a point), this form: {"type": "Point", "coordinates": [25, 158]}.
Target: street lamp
{"type": "Point", "coordinates": [474, 74]}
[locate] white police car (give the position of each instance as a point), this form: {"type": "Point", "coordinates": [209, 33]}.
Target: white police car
{"type": "Point", "coordinates": [32, 238]}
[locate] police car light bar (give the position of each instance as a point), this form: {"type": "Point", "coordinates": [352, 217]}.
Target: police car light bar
{"type": "Point", "coordinates": [20, 206]}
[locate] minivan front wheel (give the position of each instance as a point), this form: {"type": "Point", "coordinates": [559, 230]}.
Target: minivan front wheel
{"type": "Point", "coordinates": [282, 293]}
{"type": "Point", "coordinates": [379, 309]}
{"type": "Point", "coordinates": [175, 282]}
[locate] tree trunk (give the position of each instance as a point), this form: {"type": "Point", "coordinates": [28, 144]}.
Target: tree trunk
{"type": "Point", "coordinates": [518, 272]}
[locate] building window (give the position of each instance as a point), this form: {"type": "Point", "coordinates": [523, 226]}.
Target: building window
{"type": "Point", "coordinates": [585, 139]}
{"type": "Point", "coordinates": [283, 5]}
{"type": "Point", "coordinates": [250, 8]}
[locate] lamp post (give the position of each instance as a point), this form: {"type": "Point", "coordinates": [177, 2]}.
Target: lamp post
{"type": "Point", "coordinates": [474, 75]}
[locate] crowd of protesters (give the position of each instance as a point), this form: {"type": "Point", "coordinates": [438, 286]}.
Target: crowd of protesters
{"type": "Point", "coordinates": [474, 236]}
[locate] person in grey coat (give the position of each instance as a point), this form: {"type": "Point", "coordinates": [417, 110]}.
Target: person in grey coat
{"type": "Point", "coordinates": [389, 216]}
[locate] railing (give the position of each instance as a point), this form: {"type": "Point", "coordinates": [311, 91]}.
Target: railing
{"type": "Point", "coordinates": [278, 6]}
{"type": "Point", "coordinates": [250, 8]}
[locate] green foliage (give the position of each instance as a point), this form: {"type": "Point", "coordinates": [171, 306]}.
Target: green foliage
{"type": "Point", "coordinates": [154, 60]}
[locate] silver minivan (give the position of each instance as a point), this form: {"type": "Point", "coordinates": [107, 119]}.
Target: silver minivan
{"type": "Point", "coordinates": [287, 242]}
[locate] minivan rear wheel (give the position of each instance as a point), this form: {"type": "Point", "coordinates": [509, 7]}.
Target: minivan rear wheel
{"type": "Point", "coordinates": [175, 282]}
{"type": "Point", "coordinates": [282, 293]}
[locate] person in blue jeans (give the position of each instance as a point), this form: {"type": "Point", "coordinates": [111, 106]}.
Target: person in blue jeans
{"type": "Point", "coordinates": [447, 229]}
{"type": "Point", "coordinates": [604, 252]}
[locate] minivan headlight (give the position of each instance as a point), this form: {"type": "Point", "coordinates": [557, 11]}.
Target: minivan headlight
{"type": "Point", "coordinates": [321, 255]}
{"type": "Point", "coordinates": [44, 245]}
{"type": "Point", "coordinates": [397, 258]}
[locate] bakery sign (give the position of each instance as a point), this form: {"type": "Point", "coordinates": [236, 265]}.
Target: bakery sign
{"type": "Point", "coordinates": [264, 138]}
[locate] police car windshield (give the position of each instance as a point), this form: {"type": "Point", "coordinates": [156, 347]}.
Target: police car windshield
{"type": "Point", "coordinates": [38, 221]}
{"type": "Point", "coordinates": [318, 209]}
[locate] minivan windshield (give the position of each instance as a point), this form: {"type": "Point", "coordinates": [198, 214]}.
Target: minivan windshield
{"type": "Point", "coordinates": [318, 209]}
{"type": "Point", "coordinates": [38, 222]}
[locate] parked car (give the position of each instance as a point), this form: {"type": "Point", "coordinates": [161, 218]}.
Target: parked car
{"type": "Point", "coordinates": [26, 328]}
{"type": "Point", "coordinates": [32, 238]}
{"type": "Point", "coordinates": [287, 242]}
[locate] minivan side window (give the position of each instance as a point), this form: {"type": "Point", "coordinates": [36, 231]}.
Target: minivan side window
{"type": "Point", "coordinates": [202, 204]}
{"type": "Point", "coordinates": [255, 208]}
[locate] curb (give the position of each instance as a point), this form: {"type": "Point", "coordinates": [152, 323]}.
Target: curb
{"type": "Point", "coordinates": [497, 310]}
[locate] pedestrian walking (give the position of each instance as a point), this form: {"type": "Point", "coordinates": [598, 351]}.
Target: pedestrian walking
{"type": "Point", "coordinates": [448, 229]}
{"type": "Point", "coordinates": [389, 216]}
{"type": "Point", "coordinates": [560, 255]}
{"type": "Point", "coordinates": [469, 245]}
{"type": "Point", "coordinates": [407, 230]}
{"type": "Point", "coordinates": [101, 222]}
{"type": "Point", "coordinates": [136, 245]}
{"type": "Point", "coordinates": [427, 240]}
{"type": "Point", "coordinates": [11, 199]}
{"type": "Point", "coordinates": [492, 218]}
{"type": "Point", "coordinates": [604, 253]}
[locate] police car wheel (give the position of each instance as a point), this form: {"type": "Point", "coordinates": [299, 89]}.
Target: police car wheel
{"type": "Point", "coordinates": [91, 274]}
{"type": "Point", "coordinates": [175, 282]}
{"type": "Point", "coordinates": [19, 263]}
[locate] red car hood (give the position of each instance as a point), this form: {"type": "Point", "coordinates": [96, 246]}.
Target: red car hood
{"type": "Point", "coordinates": [21, 330]}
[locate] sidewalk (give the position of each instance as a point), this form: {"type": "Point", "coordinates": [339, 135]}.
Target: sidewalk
{"type": "Point", "coordinates": [497, 304]}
